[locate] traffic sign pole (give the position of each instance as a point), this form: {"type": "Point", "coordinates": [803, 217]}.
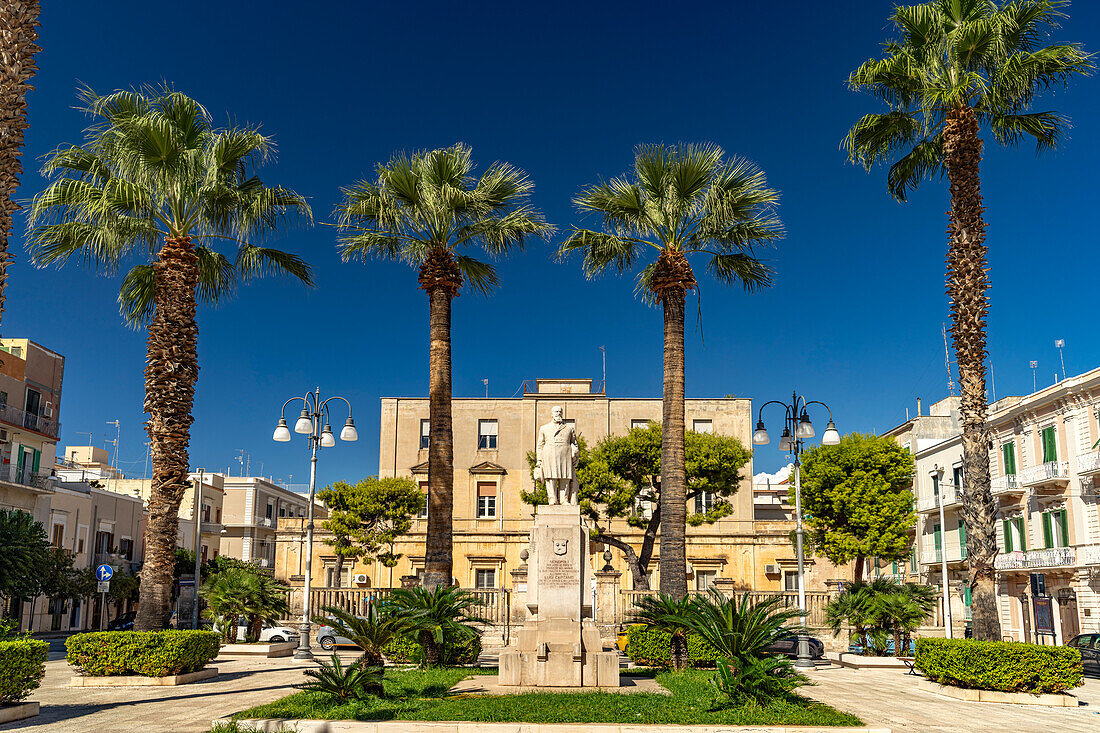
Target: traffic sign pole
{"type": "Point", "coordinates": [103, 574]}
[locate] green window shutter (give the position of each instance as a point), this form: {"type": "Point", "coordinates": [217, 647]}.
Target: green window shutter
{"type": "Point", "coordinates": [1008, 535]}
{"type": "Point", "coordinates": [1048, 534]}
{"type": "Point", "coordinates": [21, 455]}
{"type": "Point", "coordinates": [966, 595]}
{"type": "Point", "coordinates": [936, 539]}
{"type": "Point", "coordinates": [1050, 445]}
{"type": "Point", "coordinates": [1065, 528]}
{"type": "Point", "coordinates": [37, 459]}
{"type": "Point", "coordinates": [962, 540]}
{"type": "Point", "coordinates": [1008, 450]}
{"type": "Point", "coordinates": [913, 561]}
{"type": "Point", "coordinates": [1021, 526]}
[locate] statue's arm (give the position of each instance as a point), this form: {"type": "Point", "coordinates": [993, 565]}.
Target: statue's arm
{"type": "Point", "coordinates": [538, 446]}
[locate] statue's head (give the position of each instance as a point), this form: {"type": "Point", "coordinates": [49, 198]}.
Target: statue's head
{"type": "Point", "coordinates": [561, 546]}
{"type": "Point", "coordinates": [557, 413]}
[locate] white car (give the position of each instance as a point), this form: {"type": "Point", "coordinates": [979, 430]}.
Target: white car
{"type": "Point", "coordinates": [270, 634]}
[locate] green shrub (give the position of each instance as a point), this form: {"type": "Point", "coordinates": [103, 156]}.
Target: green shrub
{"type": "Point", "coordinates": [22, 667]}
{"type": "Point", "coordinates": [1008, 666]}
{"type": "Point", "coordinates": [650, 647]}
{"type": "Point", "coordinates": [144, 653]}
{"type": "Point", "coordinates": [462, 650]}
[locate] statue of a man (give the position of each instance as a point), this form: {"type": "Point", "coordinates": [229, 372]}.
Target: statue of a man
{"type": "Point", "coordinates": [557, 454]}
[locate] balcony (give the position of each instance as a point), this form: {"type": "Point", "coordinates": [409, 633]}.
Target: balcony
{"type": "Point", "coordinates": [1088, 555]}
{"type": "Point", "coordinates": [1007, 485]}
{"type": "Point", "coordinates": [115, 559]}
{"type": "Point", "coordinates": [1051, 557]}
{"type": "Point", "coordinates": [29, 421]}
{"type": "Point", "coordinates": [214, 528]}
{"type": "Point", "coordinates": [1046, 476]}
{"type": "Point", "coordinates": [1088, 464]}
{"type": "Point", "coordinates": [931, 503]}
{"type": "Point", "coordinates": [30, 479]}
{"type": "Point", "coordinates": [935, 556]}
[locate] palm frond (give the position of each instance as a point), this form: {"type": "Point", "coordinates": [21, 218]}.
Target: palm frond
{"type": "Point", "coordinates": [1048, 129]}
{"type": "Point", "coordinates": [253, 261]}
{"type": "Point", "coordinates": [740, 268]}
{"type": "Point", "coordinates": [136, 295]}
{"type": "Point", "coordinates": [602, 252]}
{"type": "Point", "coordinates": [480, 276]}
{"type": "Point", "coordinates": [923, 162]}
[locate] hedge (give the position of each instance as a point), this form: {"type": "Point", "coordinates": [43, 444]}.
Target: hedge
{"type": "Point", "coordinates": [651, 648]}
{"type": "Point", "coordinates": [1008, 666]}
{"type": "Point", "coordinates": [22, 667]}
{"type": "Point", "coordinates": [407, 649]}
{"type": "Point", "coordinates": [144, 653]}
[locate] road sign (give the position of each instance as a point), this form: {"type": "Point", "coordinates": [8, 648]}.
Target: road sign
{"type": "Point", "coordinates": [104, 572]}
{"type": "Point", "coordinates": [103, 586]}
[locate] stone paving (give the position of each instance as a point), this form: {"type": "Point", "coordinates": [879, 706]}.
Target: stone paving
{"type": "Point", "coordinates": [883, 698]}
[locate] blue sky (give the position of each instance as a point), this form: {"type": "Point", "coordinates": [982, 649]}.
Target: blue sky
{"type": "Point", "coordinates": [563, 91]}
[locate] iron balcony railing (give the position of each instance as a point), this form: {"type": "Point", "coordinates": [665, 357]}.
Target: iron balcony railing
{"type": "Point", "coordinates": [931, 503]}
{"type": "Point", "coordinates": [1088, 463]}
{"type": "Point", "coordinates": [29, 420]}
{"type": "Point", "coordinates": [1005, 484]}
{"type": "Point", "coordinates": [1051, 557]}
{"type": "Point", "coordinates": [936, 555]}
{"type": "Point", "coordinates": [1045, 473]}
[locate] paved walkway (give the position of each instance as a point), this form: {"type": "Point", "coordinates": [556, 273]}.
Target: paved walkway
{"type": "Point", "coordinates": [890, 699]}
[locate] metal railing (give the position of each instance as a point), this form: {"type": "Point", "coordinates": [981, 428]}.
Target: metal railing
{"type": "Point", "coordinates": [210, 527]}
{"type": "Point", "coordinates": [495, 603]}
{"type": "Point", "coordinates": [1005, 483]}
{"type": "Point", "coordinates": [1044, 472]}
{"type": "Point", "coordinates": [1051, 557]}
{"type": "Point", "coordinates": [29, 420]}
{"type": "Point", "coordinates": [932, 556]}
{"type": "Point", "coordinates": [1088, 462]}
{"type": "Point", "coordinates": [815, 602]}
{"type": "Point", "coordinates": [28, 478]}
{"type": "Point", "coordinates": [931, 503]}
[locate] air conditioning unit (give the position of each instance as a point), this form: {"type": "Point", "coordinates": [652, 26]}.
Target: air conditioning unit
{"type": "Point", "coordinates": [771, 570]}
{"type": "Point", "coordinates": [361, 579]}
{"type": "Point", "coordinates": [47, 411]}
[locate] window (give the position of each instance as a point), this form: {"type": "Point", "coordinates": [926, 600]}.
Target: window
{"type": "Point", "coordinates": [790, 580]}
{"type": "Point", "coordinates": [704, 579]}
{"type": "Point", "coordinates": [962, 540]}
{"type": "Point", "coordinates": [218, 514]}
{"type": "Point", "coordinates": [103, 542]}
{"type": "Point", "coordinates": [425, 433]}
{"type": "Point", "coordinates": [1050, 444]}
{"type": "Point", "coordinates": [702, 426]}
{"type": "Point", "coordinates": [270, 510]}
{"type": "Point", "coordinates": [1015, 534]}
{"type": "Point", "coordinates": [58, 539]}
{"type": "Point", "coordinates": [424, 508]}
{"type": "Point", "coordinates": [1008, 453]}
{"type": "Point", "coordinates": [935, 484]}
{"type": "Point", "coordinates": [1055, 528]}
{"type": "Point", "coordinates": [913, 560]}
{"type": "Point", "coordinates": [206, 507]}
{"type": "Point", "coordinates": [282, 511]}
{"type": "Point", "coordinates": [486, 434]}
{"type": "Point", "coordinates": [486, 500]}
{"type": "Point", "coordinates": [957, 477]}
{"type": "Point", "coordinates": [126, 548]}
{"type": "Point", "coordinates": [639, 424]}
{"type": "Point", "coordinates": [33, 402]}
{"type": "Point", "coordinates": [485, 578]}
{"type": "Point", "coordinates": [82, 534]}
{"type": "Point", "coordinates": [704, 502]}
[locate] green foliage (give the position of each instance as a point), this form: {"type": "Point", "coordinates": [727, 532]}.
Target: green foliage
{"type": "Point", "coordinates": [988, 56]}
{"type": "Point", "coordinates": [25, 556]}
{"type": "Point", "coordinates": [9, 630]}
{"type": "Point", "coordinates": [1008, 666]}
{"type": "Point", "coordinates": [460, 650]}
{"type": "Point", "coordinates": [144, 653]}
{"type": "Point", "coordinates": [404, 649]}
{"type": "Point", "coordinates": [856, 498]}
{"type": "Point", "coordinates": [665, 613]}
{"type": "Point", "coordinates": [439, 618]}
{"type": "Point", "coordinates": [880, 610]}
{"type": "Point", "coordinates": [243, 591]}
{"type": "Point", "coordinates": [345, 683]}
{"type": "Point", "coordinates": [365, 518]}
{"type": "Point", "coordinates": [652, 648]}
{"type": "Point", "coordinates": [373, 632]}
{"type": "Point", "coordinates": [22, 667]}
{"type": "Point", "coordinates": [185, 563]}
{"type": "Point", "coordinates": [757, 680]}
{"type": "Point", "coordinates": [741, 630]}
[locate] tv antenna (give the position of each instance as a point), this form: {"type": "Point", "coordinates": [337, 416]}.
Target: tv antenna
{"type": "Point", "coordinates": [603, 355]}
{"type": "Point", "coordinates": [245, 459]}
{"type": "Point", "coordinates": [947, 361]}
{"type": "Point", "coordinates": [1034, 365]}
{"type": "Point", "coordinates": [1061, 344]}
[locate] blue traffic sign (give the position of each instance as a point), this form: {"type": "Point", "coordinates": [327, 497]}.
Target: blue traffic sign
{"type": "Point", "coordinates": [104, 572]}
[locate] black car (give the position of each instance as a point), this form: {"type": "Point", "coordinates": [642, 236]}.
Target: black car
{"type": "Point", "coordinates": [788, 645]}
{"type": "Point", "coordinates": [1089, 646]}
{"type": "Point", "coordinates": [125, 622]}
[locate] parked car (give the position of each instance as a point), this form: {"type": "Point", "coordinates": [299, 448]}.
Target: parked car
{"type": "Point", "coordinates": [329, 640]}
{"type": "Point", "coordinates": [125, 622]}
{"type": "Point", "coordinates": [269, 634]}
{"type": "Point", "coordinates": [788, 645]}
{"type": "Point", "coordinates": [1089, 646]}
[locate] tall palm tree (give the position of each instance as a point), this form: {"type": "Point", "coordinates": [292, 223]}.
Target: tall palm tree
{"type": "Point", "coordinates": [426, 209]}
{"type": "Point", "coordinates": [18, 33]}
{"type": "Point", "coordinates": [157, 185]}
{"type": "Point", "coordinates": [958, 65]}
{"type": "Point", "coordinates": [680, 201]}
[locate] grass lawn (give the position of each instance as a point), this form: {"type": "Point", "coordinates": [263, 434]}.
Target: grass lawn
{"type": "Point", "coordinates": [419, 695]}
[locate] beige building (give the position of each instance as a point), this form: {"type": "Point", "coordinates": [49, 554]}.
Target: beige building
{"type": "Point", "coordinates": [492, 438]}
{"type": "Point", "coordinates": [251, 509]}
{"type": "Point", "coordinates": [1045, 465]}
{"type": "Point", "coordinates": [30, 403]}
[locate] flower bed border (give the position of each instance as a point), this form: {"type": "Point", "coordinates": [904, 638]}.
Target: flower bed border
{"type": "Point", "coordinates": [18, 711]}
{"type": "Point", "coordinates": [139, 681]}
{"type": "Point", "coordinates": [271, 651]}
{"type": "Point", "coordinates": [858, 661]}
{"type": "Point", "coordinates": [1055, 700]}
{"type": "Point", "coordinates": [434, 726]}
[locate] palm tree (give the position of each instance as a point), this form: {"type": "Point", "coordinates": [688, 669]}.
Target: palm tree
{"type": "Point", "coordinates": [668, 614]}
{"type": "Point", "coordinates": [227, 596]}
{"type": "Point", "coordinates": [371, 632]}
{"type": "Point", "coordinates": [155, 182]}
{"type": "Point", "coordinates": [437, 617]}
{"type": "Point", "coordinates": [18, 33]}
{"type": "Point", "coordinates": [957, 66]}
{"type": "Point", "coordinates": [680, 201]}
{"type": "Point", "coordinates": [426, 209]}
{"type": "Point", "coordinates": [741, 630]}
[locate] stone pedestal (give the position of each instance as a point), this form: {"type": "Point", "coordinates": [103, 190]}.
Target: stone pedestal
{"type": "Point", "coordinates": [559, 644]}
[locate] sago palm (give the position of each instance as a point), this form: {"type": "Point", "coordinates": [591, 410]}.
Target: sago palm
{"type": "Point", "coordinates": [155, 186]}
{"type": "Point", "coordinates": [427, 210]}
{"type": "Point", "coordinates": [18, 33]}
{"type": "Point", "coordinates": [741, 629]}
{"type": "Point", "coordinates": [668, 614]}
{"type": "Point", "coordinates": [678, 202]}
{"type": "Point", "coordinates": [371, 632]}
{"type": "Point", "coordinates": [956, 66]}
{"type": "Point", "coordinates": [437, 617]}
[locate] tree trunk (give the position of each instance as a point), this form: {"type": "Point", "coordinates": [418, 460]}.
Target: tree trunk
{"type": "Point", "coordinates": [857, 569]}
{"type": "Point", "coordinates": [637, 572]}
{"type": "Point", "coordinates": [171, 371]}
{"type": "Point", "coordinates": [678, 653]}
{"type": "Point", "coordinates": [18, 33]}
{"type": "Point", "coordinates": [433, 652]}
{"type": "Point", "coordinates": [673, 470]}
{"type": "Point", "coordinates": [439, 276]}
{"type": "Point", "coordinates": [338, 570]}
{"type": "Point", "coordinates": [967, 288]}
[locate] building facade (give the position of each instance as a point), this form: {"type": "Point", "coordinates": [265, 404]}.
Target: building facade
{"type": "Point", "coordinates": [251, 509]}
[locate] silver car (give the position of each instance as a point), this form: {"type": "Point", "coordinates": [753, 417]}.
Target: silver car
{"type": "Point", "coordinates": [328, 639]}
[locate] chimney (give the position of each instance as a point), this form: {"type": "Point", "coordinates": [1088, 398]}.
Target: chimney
{"type": "Point", "coordinates": [918, 407]}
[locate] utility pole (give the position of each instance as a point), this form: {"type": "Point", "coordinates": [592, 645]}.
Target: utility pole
{"type": "Point", "coordinates": [947, 361]}
{"type": "Point", "coordinates": [198, 548]}
{"type": "Point", "coordinates": [1061, 344]}
{"type": "Point", "coordinates": [118, 435]}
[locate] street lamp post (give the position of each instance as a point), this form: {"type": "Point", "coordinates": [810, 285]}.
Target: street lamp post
{"type": "Point", "coordinates": [937, 477]}
{"type": "Point", "coordinates": [796, 428]}
{"type": "Point", "coordinates": [309, 422]}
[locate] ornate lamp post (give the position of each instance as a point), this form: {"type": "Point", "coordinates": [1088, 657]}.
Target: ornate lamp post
{"type": "Point", "coordinates": [796, 428]}
{"type": "Point", "coordinates": [310, 423]}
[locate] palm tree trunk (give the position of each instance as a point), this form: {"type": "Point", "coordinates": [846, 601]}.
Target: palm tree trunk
{"type": "Point", "coordinates": [678, 653]}
{"type": "Point", "coordinates": [967, 288]}
{"type": "Point", "coordinates": [18, 33]}
{"type": "Point", "coordinates": [171, 371]}
{"type": "Point", "coordinates": [673, 471]}
{"type": "Point", "coordinates": [440, 278]}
